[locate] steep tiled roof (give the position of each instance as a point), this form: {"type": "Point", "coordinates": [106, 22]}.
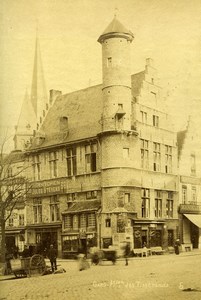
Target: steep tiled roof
{"type": "Point", "coordinates": [115, 27]}
{"type": "Point", "coordinates": [83, 109]}
{"type": "Point", "coordinates": [84, 206]}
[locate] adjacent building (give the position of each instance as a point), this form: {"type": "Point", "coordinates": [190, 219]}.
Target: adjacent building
{"type": "Point", "coordinates": [189, 152]}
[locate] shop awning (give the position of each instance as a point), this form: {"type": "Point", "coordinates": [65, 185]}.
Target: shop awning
{"type": "Point", "coordinates": [195, 219]}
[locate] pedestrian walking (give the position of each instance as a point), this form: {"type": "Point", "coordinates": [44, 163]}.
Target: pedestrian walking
{"type": "Point", "coordinates": [52, 255]}
{"type": "Point", "coordinates": [127, 252]}
{"type": "Point", "coordinates": [176, 246]}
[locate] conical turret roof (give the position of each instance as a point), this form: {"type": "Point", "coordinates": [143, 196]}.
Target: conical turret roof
{"type": "Point", "coordinates": [116, 28]}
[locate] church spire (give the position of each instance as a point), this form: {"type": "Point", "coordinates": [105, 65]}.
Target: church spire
{"type": "Point", "coordinates": [26, 124]}
{"type": "Point", "coordinates": [32, 107]}
{"type": "Point", "coordinates": [38, 88]}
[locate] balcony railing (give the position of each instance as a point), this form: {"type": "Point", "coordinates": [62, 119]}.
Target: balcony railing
{"type": "Point", "coordinates": [190, 207]}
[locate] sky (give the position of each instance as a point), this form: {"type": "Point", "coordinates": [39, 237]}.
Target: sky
{"type": "Point", "coordinates": [169, 31]}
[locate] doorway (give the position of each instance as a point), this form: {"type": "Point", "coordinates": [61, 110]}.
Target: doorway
{"type": "Point", "coordinates": [194, 235]}
{"type": "Point", "coordinates": [83, 243]}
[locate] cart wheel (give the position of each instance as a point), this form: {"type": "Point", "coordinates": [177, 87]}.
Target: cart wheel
{"type": "Point", "coordinates": [37, 265]}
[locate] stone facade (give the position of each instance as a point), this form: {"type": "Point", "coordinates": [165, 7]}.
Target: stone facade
{"type": "Point", "coordinates": [103, 165]}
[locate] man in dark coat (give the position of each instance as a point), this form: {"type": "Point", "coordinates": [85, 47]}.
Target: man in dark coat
{"type": "Point", "coordinates": [176, 246]}
{"type": "Point", "coordinates": [127, 252]}
{"type": "Point", "coordinates": [52, 255]}
{"type": "Point", "coordinates": [25, 252]}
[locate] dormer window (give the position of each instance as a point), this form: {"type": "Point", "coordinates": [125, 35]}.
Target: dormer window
{"type": "Point", "coordinates": [63, 123]}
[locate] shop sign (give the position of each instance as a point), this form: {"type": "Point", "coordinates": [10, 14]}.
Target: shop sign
{"type": "Point", "coordinates": [47, 187]}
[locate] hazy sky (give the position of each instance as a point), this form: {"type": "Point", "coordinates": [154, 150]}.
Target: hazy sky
{"type": "Point", "coordinates": [168, 31]}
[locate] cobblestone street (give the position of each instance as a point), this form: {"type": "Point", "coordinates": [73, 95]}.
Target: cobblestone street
{"type": "Point", "coordinates": [156, 277]}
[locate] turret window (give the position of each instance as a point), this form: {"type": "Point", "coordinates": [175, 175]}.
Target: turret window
{"type": "Point", "coordinates": [143, 117]}
{"type": "Point", "coordinates": [109, 62]}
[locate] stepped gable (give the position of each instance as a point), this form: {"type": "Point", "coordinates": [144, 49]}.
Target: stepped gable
{"type": "Point", "coordinates": [136, 83]}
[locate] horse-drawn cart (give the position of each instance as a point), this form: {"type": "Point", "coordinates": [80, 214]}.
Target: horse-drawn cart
{"type": "Point", "coordinates": [30, 266]}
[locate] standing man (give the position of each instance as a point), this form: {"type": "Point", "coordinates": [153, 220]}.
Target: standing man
{"type": "Point", "coordinates": [52, 255]}
{"type": "Point", "coordinates": [127, 252]}
{"type": "Point", "coordinates": [176, 246]}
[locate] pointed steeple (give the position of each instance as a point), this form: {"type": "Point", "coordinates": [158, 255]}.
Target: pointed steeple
{"type": "Point", "coordinates": [38, 89]}
{"type": "Point", "coordinates": [27, 118]}
{"type": "Point", "coordinates": [26, 124]}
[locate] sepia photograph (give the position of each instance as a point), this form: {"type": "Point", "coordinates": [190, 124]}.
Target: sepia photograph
{"type": "Point", "coordinates": [100, 149]}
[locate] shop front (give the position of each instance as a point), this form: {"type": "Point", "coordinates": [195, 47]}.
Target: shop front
{"type": "Point", "coordinates": [192, 230]}
{"type": "Point", "coordinates": [39, 238]}
{"type": "Point", "coordinates": [73, 244]}
{"type": "Point", "coordinates": [14, 240]}
{"type": "Point", "coordinates": [149, 235]}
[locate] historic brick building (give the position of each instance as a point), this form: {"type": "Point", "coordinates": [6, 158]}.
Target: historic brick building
{"type": "Point", "coordinates": [104, 160]}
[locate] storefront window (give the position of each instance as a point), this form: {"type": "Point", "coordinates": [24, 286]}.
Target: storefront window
{"type": "Point", "coordinates": [70, 243]}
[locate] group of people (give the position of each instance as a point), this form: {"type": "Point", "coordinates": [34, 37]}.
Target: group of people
{"type": "Point", "coordinates": [52, 254]}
